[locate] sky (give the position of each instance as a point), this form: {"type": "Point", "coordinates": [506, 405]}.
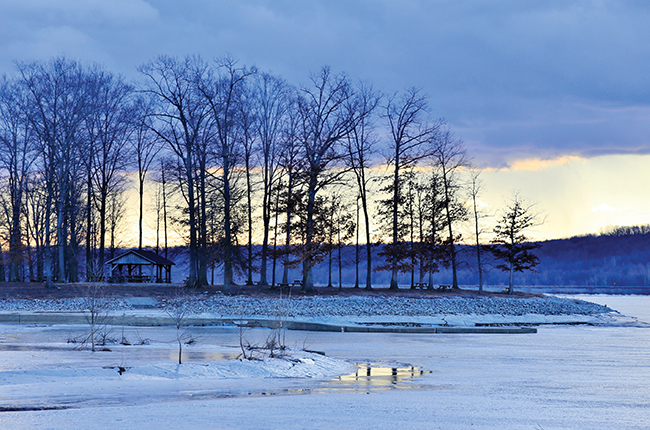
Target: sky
{"type": "Point", "coordinates": [551, 97]}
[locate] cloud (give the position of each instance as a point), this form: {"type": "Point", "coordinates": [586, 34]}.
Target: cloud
{"type": "Point", "coordinates": [516, 80]}
{"type": "Point", "coordinates": [37, 13]}
{"type": "Point", "coordinates": [480, 204]}
{"type": "Point", "coordinates": [603, 207]}
{"type": "Point", "coordinates": [537, 164]}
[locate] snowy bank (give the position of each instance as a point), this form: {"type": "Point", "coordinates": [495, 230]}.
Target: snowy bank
{"type": "Point", "coordinates": [358, 306]}
{"type": "Point", "coordinates": [453, 311]}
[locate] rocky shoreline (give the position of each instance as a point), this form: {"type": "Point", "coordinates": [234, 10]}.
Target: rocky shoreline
{"type": "Point", "coordinates": [316, 306]}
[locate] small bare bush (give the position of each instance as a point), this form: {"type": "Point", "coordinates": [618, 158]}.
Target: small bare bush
{"type": "Point", "coordinates": [178, 309]}
{"type": "Point", "coordinates": [97, 308]}
{"type": "Point", "coordinates": [275, 345]}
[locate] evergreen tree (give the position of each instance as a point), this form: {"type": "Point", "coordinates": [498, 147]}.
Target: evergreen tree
{"type": "Point", "coordinates": [510, 245]}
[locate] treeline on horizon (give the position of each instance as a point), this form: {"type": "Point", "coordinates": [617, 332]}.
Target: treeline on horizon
{"type": "Point", "coordinates": [232, 150]}
{"type": "Point", "coordinates": [615, 257]}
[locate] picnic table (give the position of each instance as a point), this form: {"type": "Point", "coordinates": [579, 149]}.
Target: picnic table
{"type": "Point", "coordinates": [286, 287]}
{"type": "Point", "coordinates": [138, 279]}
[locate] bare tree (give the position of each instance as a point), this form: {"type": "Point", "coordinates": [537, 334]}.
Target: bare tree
{"type": "Point", "coordinates": [475, 189]}
{"type": "Point", "coordinates": [339, 228]}
{"type": "Point", "coordinates": [510, 244]}
{"type": "Point", "coordinates": [17, 155]}
{"type": "Point", "coordinates": [222, 94]}
{"type": "Point", "coordinates": [273, 99]}
{"type": "Point", "coordinates": [276, 224]}
{"type": "Point", "coordinates": [247, 139]}
{"type": "Point", "coordinates": [292, 166]}
{"type": "Point", "coordinates": [56, 107]}
{"type": "Point", "coordinates": [203, 155]}
{"type": "Point", "coordinates": [181, 114]}
{"type": "Point", "coordinates": [161, 205]}
{"type": "Point", "coordinates": [360, 147]}
{"type": "Point", "coordinates": [109, 127]}
{"type": "Point", "coordinates": [325, 122]}
{"type": "Point", "coordinates": [411, 205]}
{"type": "Point", "coordinates": [146, 146]}
{"type": "Point", "coordinates": [177, 308]}
{"type": "Point", "coordinates": [345, 228]}
{"type": "Point", "coordinates": [97, 307]}
{"type": "Point", "coordinates": [115, 216]}
{"type": "Point", "coordinates": [410, 129]}
{"type": "Point", "coordinates": [450, 156]}
{"type": "Point", "coordinates": [35, 216]}
{"type": "Point", "coordinates": [420, 209]}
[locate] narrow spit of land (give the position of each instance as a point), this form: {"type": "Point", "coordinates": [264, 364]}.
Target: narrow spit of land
{"type": "Point", "coordinates": [323, 305]}
{"type": "Point", "coordinates": [36, 290]}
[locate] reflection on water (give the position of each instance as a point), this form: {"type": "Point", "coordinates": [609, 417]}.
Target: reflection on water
{"type": "Point", "coordinates": [378, 377]}
{"type": "Point", "coordinates": [368, 379]}
{"type": "Point", "coordinates": [10, 347]}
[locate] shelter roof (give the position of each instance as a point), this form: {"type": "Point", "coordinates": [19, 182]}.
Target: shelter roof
{"type": "Point", "coordinates": [138, 256]}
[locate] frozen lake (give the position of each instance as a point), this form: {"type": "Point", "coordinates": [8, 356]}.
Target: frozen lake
{"type": "Point", "coordinates": [563, 377]}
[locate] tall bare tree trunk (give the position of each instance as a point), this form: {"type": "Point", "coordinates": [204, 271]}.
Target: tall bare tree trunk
{"type": "Point", "coordinates": [340, 245]}
{"type": "Point", "coordinates": [275, 238]}
{"type": "Point", "coordinates": [140, 209]}
{"type": "Point", "coordinates": [478, 247]}
{"type": "Point", "coordinates": [203, 228]}
{"type": "Point", "coordinates": [61, 238]}
{"type": "Point", "coordinates": [287, 243]}
{"type": "Point", "coordinates": [164, 200]}
{"type": "Point", "coordinates": [249, 218]}
{"type": "Point", "coordinates": [308, 279]}
{"type": "Point", "coordinates": [395, 235]}
{"type": "Point", "coordinates": [356, 249]}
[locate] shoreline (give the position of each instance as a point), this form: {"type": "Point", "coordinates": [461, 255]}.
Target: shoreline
{"type": "Point", "coordinates": [352, 313]}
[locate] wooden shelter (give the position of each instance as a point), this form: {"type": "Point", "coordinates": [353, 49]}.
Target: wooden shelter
{"type": "Point", "coordinates": [140, 266]}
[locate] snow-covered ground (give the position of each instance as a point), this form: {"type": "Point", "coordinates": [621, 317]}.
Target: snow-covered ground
{"type": "Point", "coordinates": [350, 311]}
{"type": "Point", "coordinates": [319, 307]}
{"type": "Point", "coordinates": [563, 377]}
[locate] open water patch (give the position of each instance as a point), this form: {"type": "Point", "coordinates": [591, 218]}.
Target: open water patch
{"type": "Point", "coordinates": [32, 408]}
{"type": "Point", "coordinates": [376, 377]}
{"type": "Point", "coordinates": [369, 378]}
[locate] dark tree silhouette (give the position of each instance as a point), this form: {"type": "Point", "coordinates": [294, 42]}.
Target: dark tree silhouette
{"type": "Point", "coordinates": [273, 99]}
{"type": "Point", "coordinates": [222, 93]}
{"type": "Point", "coordinates": [360, 147]}
{"type": "Point", "coordinates": [510, 245]}
{"type": "Point", "coordinates": [475, 189]}
{"type": "Point", "coordinates": [325, 122]}
{"type": "Point", "coordinates": [410, 128]}
{"type": "Point", "coordinates": [56, 105]}
{"type": "Point", "coordinates": [180, 116]}
{"type": "Point", "coordinates": [17, 155]}
{"type": "Point", "coordinates": [450, 156]}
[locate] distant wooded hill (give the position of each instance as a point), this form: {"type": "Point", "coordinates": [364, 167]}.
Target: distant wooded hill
{"type": "Point", "coordinates": [619, 256]}
{"type": "Point", "coordinates": [606, 262]}
{"type": "Point", "coordinates": [616, 257]}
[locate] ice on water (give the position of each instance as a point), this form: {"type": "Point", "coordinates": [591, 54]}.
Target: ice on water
{"type": "Point", "coordinates": [563, 377]}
